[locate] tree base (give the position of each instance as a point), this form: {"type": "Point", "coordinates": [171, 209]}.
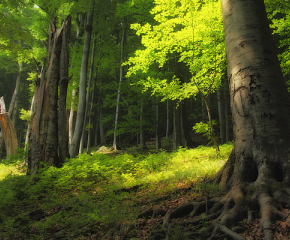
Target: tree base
{"type": "Point", "coordinates": [266, 202]}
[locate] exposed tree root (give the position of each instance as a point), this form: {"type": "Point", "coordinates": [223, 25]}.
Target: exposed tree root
{"type": "Point", "coordinates": [264, 199]}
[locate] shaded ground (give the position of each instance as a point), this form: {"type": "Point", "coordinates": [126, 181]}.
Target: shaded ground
{"type": "Point", "coordinates": [148, 224]}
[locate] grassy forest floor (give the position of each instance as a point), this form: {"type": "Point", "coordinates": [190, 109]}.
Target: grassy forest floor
{"type": "Point", "coordinates": [112, 195]}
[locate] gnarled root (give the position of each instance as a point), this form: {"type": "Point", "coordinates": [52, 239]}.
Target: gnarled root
{"type": "Point", "coordinates": [241, 203]}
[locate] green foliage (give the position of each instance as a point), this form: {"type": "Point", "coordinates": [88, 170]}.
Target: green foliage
{"type": "Point", "coordinates": [185, 31]}
{"type": "Point", "coordinates": [278, 13]}
{"type": "Point", "coordinates": [25, 114]}
{"type": "Point", "coordinates": [204, 128]}
{"type": "Point", "coordinates": [95, 190]}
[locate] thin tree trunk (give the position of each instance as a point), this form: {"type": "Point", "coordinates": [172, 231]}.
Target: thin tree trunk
{"type": "Point", "coordinates": [211, 125]}
{"type": "Point", "coordinates": [100, 116]}
{"type": "Point", "coordinates": [185, 133]}
{"type": "Point", "coordinates": [157, 127]}
{"type": "Point", "coordinates": [176, 127]}
{"type": "Point", "coordinates": [72, 119]}
{"type": "Point", "coordinates": [88, 96]}
{"type": "Point", "coordinates": [90, 117]}
{"type": "Point", "coordinates": [221, 112]}
{"type": "Point", "coordinates": [115, 144]}
{"type": "Point", "coordinates": [74, 147]}
{"type": "Point", "coordinates": [29, 125]}
{"type": "Point", "coordinates": [16, 91]}
{"type": "Point", "coordinates": [167, 119]}
{"type": "Point", "coordinates": [142, 132]}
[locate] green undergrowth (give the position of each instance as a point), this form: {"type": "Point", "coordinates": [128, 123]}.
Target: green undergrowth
{"type": "Point", "coordinates": [98, 193]}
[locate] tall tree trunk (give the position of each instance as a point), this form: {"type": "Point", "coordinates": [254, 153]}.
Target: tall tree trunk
{"type": "Point", "coordinates": [90, 117]}
{"type": "Point", "coordinates": [88, 96]}
{"type": "Point", "coordinates": [100, 116]}
{"type": "Point", "coordinates": [257, 174]}
{"type": "Point", "coordinates": [221, 111]}
{"type": "Point", "coordinates": [63, 84]}
{"type": "Point", "coordinates": [142, 132]}
{"type": "Point", "coordinates": [74, 147]}
{"type": "Point", "coordinates": [176, 127]}
{"type": "Point", "coordinates": [115, 144]}
{"type": "Point", "coordinates": [157, 126]}
{"type": "Point", "coordinates": [72, 119]}
{"type": "Point", "coordinates": [211, 124]}
{"type": "Point", "coordinates": [80, 24]}
{"type": "Point", "coordinates": [168, 123]}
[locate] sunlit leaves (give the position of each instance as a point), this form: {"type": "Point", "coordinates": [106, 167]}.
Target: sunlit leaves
{"type": "Point", "coordinates": [190, 32]}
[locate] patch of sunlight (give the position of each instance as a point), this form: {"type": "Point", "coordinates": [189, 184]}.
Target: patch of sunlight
{"type": "Point", "coordinates": [6, 170]}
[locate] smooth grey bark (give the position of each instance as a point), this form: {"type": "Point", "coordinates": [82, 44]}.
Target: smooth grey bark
{"type": "Point", "coordinates": [88, 96]}
{"type": "Point", "coordinates": [80, 24]}
{"type": "Point", "coordinates": [74, 147]}
{"type": "Point", "coordinates": [227, 115]}
{"type": "Point", "coordinates": [257, 173]}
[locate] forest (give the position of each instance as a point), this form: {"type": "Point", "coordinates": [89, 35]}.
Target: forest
{"type": "Point", "coordinates": [144, 119]}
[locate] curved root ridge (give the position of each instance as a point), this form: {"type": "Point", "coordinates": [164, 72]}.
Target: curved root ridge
{"type": "Point", "coordinates": [226, 212]}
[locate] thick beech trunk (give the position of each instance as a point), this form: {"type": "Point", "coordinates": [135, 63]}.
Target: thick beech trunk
{"type": "Point", "coordinates": [256, 178]}
{"type": "Point", "coordinates": [74, 147]}
{"type": "Point", "coordinates": [260, 112]}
